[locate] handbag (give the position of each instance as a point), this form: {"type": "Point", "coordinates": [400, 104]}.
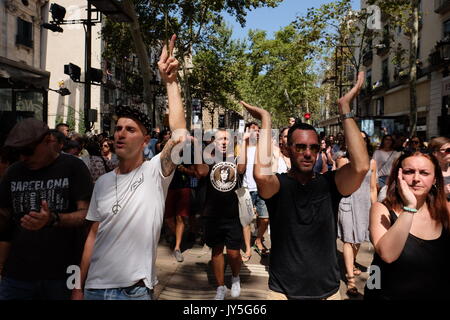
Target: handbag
{"type": "Point", "coordinates": [245, 206]}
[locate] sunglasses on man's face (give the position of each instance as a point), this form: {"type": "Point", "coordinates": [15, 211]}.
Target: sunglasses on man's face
{"type": "Point", "coordinates": [447, 151]}
{"type": "Point", "coordinates": [27, 151]}
{"type": "Point", "coordinates": [301, 147]}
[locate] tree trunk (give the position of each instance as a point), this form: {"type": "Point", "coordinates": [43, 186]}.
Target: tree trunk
{"type": "Point", "coordinates": [187, 94]}
{"type": "Point", "coordinates": [413, 67]}
{"type": "Point", "coordinates": [142, 54]}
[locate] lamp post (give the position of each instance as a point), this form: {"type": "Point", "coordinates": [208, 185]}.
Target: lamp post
{"type": "Point", "coordinates": [110, 8]}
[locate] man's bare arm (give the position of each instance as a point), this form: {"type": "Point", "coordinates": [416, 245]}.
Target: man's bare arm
{"type": "Point", "coordinates": [349, 177]}
{"type": "Point", "coordinates": [267, 182]}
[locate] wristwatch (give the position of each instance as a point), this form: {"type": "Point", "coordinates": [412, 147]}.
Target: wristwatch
{"type": "Point", "coordinates": [347, 115]}
{"type": "Point", "coordinates": [55, 219]}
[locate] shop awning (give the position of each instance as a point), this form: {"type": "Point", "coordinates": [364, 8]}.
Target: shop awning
{"type": "Point", "coordinates": [15, 74]}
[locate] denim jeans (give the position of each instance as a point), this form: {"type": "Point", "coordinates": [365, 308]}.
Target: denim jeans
{"type": "Point", "coordinates": [129, 293]}
{"type": "Point", "coordinates": [13, 289]}
{"type": "Point", "coordinates": [260, 205]}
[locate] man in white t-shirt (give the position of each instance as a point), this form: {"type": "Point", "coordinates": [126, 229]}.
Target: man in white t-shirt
{"type": "Point", "coordinates": [127, 205]}
{"type": "Point", "coordinates": [258, 203]}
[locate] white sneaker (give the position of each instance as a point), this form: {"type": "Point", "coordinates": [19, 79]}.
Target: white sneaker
{"type": "Point", "coordinates": [235, 287]}
{"type": "Point", "coordinates": [221, 292]}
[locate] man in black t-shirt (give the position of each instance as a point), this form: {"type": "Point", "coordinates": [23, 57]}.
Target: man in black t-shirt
{"type": "Point", "coordinates": [221, 209]}
{"type": "Point", "coordinates": [303, 206]}
{"type": "Point", "coordinates": [44, 199]}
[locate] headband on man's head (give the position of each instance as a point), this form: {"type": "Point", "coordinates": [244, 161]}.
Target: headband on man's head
{"type": "Point", "coordinates": [135, 114]}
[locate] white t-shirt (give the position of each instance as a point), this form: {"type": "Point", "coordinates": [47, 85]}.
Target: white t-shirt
{"type": "Point", "coordinates": [282, 165]}
{"type": "Point", "coordinates": [249, 180]}
{"type": "Point", "coordinates": [125, 246]}
{"type": "Point", "coordinates": [385, 160]}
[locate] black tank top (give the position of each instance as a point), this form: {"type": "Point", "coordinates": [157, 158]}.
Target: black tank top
{"type": "Point", "coordinates": [421, 272]}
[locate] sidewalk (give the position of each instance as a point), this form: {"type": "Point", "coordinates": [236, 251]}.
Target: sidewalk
{"type": "Point", "coordinates": [193, 279]}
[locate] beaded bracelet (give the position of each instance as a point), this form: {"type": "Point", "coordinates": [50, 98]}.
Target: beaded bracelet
{"type": "Point", "coordinates": [410, 209]}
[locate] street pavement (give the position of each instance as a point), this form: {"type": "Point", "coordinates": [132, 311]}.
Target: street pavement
{"type": "Point", "coordinates": [193, 279]}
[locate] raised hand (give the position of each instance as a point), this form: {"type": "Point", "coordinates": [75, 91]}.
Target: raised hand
{"type": "Point", "coordinates": [409, 199]}
{"type": "Point", "coordinates": [344, 102]}
{"type": "Point", "coordinates": [256, 112]}
{"type": "Point", "coordinates": [168, 65]}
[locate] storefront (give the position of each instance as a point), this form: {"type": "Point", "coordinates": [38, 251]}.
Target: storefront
{"type": "Point", "coordinates": [23, 94]}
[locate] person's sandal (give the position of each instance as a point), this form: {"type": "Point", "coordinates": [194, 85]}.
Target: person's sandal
{"type": "Point", "coordinates": [352, 291]}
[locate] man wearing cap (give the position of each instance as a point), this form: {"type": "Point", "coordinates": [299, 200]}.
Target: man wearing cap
{"type": "Point", "coordinates": [127, 206]}
{"type": "Point", "coordinates": [44, 199]}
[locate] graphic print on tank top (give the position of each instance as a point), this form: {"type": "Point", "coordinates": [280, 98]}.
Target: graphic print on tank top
{"type": "Point", "coordinates": [223, 176]}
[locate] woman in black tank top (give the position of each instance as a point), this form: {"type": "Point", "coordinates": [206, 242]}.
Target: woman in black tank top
{"type": "Point", "coordinates": [410, 233]}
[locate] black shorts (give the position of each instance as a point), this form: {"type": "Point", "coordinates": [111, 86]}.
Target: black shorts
{"type": "Point", "coordinates": [223, 232]}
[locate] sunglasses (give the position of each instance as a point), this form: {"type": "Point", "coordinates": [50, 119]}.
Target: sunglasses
{"type": "Point", "coordinates": [447, 151]}
{"type": "Point", "coordinates": [301, 147]}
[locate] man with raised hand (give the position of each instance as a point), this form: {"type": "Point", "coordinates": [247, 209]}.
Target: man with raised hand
{"type": "Point", "coordinates": [127, 206]}
{"type": "Point", "coordinates": [303, 206]}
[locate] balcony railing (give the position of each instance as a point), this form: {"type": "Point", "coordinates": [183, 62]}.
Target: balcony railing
{"type": "Point", "coordinates": [383, 47]}
{"type": "Point", "coordinates": [441, 6]}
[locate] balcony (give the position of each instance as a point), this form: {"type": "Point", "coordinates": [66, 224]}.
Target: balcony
{"type": "Point", "coordinates": [440, 56]}
{"type": "Point", "coordinates": [382, 48]}
{"type": "Point", "coordinates": [367, 58]}
{"type": "Point", "coordinates": [441, 6]}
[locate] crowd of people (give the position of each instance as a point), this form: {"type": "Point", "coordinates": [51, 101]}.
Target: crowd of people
{"type": "Point", "coordinates": [100, 203]}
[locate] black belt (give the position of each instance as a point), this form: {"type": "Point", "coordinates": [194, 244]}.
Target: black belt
{"type": "Point", "coordinates": [140, 283]}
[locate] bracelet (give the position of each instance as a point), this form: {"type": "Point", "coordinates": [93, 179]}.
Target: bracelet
{"type": "Point", "coordinates": [410, 209]}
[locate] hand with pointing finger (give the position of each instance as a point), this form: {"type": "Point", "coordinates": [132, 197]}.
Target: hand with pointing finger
{"type": "Point", "coordinates": [168, 65]}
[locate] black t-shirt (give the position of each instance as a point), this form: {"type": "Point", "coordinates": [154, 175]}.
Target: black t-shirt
{"type": "Point", "coordinates": [303, 256]}
{"type": "Point", "coordinates": [221, 198]}
{"type": "Point", "coordinates": [421, 272]}
{"type": "Point", "coordinates": [46, 253]}
{"type": "Point", "coordinates": [180, 180]}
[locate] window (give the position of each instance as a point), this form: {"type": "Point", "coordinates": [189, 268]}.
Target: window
{"type": "Point", "coordinates": [446, 28]}
{"type": "Point", "coordinates": [385, 71]}
{"type": "Point", "coordinates": [369, 79]}
{"type": "Point", "coordinates": [379, 106]}
{"type": "Point", "coordinates": [24, 33]}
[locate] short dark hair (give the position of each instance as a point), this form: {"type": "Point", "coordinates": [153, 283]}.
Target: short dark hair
{"type": "Point", "coordinates": [62, 124]}
{"type": "Point", "coordinates": [59, 136]}
{"type": "Point", "coordinates": [249, 124]}
{"type": "Point", "coordinates": [300, 126]}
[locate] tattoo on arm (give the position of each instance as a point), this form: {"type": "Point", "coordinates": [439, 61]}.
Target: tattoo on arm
{"type": "Point", "coordinates": [167, 165]}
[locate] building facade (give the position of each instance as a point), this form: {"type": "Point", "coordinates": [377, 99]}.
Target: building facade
{"type": "Point", "coordinates": [23, 77]}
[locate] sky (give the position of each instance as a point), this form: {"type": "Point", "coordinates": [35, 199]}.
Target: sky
{"type": "Point", "coordinates": [273, 19]}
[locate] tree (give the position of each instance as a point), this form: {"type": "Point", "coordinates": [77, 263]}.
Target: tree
{"type": "Point", "coordinates": [218, 62]}
{"type": "Point", "coordinates": [191, 20]}
{"type": "Point", "coordinates": [340, 35]}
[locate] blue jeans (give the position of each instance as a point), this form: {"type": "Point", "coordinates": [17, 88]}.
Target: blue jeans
{"type": "Point", "coordinates": [260, 205]}
{"type": "Point", "coordinates": [12, 289]}
{"type": "Point", "coordinates": [129, 293]}
{"type": "Point", "coordinates": [382, 181]}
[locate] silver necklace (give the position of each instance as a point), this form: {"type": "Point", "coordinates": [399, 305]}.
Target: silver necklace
{"type": "Point", "coordinates": [116, 207]}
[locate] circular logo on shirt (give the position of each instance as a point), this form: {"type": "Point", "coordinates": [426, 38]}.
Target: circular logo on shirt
{"type": "Point", "coordinates": [223, 176]}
